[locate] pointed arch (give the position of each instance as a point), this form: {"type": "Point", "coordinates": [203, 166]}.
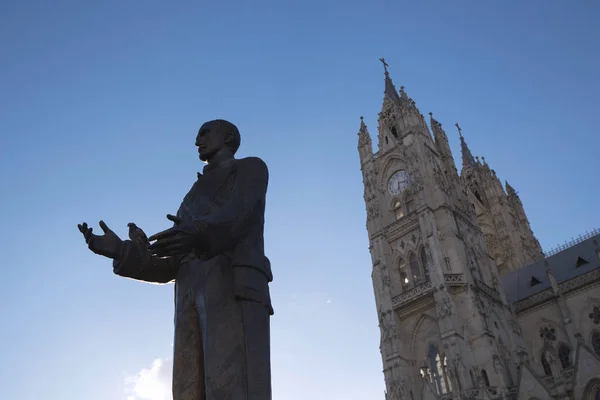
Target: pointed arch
{"type": "Point", "coordinates": [564, 355]}
{"type": "Point", "coordinates": [485, 378]}
{"type": "Point", "coordinates": [546, 360]}
{"type": "Point", "coordinates": [404, 281]}
{"type": "Point", "coordinates": [592, 390]}
{"type": "Point", "coordinates": [425, 324]}
{"type": "Point", "coordinates": [437, 365]}
{"type": "Point", "coordinates": [595, 342]}
{"type": "Point", "coordinates": [415, 270]}
{"type": "Point", "coordinates": [392, 163]}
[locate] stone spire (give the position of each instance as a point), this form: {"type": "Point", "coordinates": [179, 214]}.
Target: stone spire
{"type": "Point", "coordinates": [467, 157]}
{"type": "Point", "coordinates": [364, 138]}
{"type": "Point", "coordinates": [365, 147]}
{"type": "Point", "coordinates": [510, 191]}
{"type": "Point", "coordinates": [390, 89]}
{"type": "Point", "coordinates": [436, 128]}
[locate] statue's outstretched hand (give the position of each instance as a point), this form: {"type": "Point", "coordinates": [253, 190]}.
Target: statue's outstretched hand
{"type": "Point", "coordinates": [178, 240]}
{"type": "Point", "coordinates": [107, 245]}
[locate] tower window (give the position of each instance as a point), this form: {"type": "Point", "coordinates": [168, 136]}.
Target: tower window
{"type": "Point", "coordinates": [447, 261]}
{"type": "Point", "coordinates": [398, 210]}
{"type": "Point", "coordinates": [403, 276]}
{"type": "Point", "coordinates": [414, 267]}
{"type": "Point", "coordinates": [438, 370]}
{"type": "Point", "coordinates": [564, 355]}
{"type": "Point", "coordinates": [596, 342]}
{"type": "Point", "coordinates": [394, 132]}
{"type": "Point", "coordinates": [386, 140]}
{"type": "Point", "coordinates": [484, 376]}
{"type": "Point", "coordinates": [546, 364]}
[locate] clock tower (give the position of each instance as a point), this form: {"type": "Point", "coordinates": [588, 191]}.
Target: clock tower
{"type": "Point", "coordinates": [446, 327]}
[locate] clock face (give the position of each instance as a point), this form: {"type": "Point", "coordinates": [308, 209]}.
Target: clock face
{"type": "Point", "coordinates": [398, 182]}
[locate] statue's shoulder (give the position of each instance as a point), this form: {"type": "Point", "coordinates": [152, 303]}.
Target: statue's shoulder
{"type": "Point", "coordinates": [252, 163]}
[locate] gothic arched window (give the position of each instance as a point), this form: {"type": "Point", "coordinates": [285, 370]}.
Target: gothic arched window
{"type": "Point", "coordinates": [394, 132]}
{"type": "Point", "coordinates": [546, 364]}
{"type": "Point", "coordinates": [564, 355]}
{"type": "Point", "coordinates": [403, 276]}
{"type": "Point", "coordinates": [398, 210]}
{"type": "Point", "coordinates": [438, 369]}
{"type": "Point", "coordinates": [423, 256]}
{"type": "Point", "coordinates": [414, 268]}
{"type": "Point", "coordinates": [596, 342]}
{"type": "Point", "coordinates": [484, 376]}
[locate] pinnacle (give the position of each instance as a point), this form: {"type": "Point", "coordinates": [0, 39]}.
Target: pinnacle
{"type": "Point", "coordinates": [467, 157]}
{"type": "Point", "coordinates": [509, 189]}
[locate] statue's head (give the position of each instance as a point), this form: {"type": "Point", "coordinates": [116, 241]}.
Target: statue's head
{"type": "Point", "coordinates": [215, 137]}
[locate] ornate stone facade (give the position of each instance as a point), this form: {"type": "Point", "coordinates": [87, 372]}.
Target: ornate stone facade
{"type": "Point", "coordinates": [450, 255]}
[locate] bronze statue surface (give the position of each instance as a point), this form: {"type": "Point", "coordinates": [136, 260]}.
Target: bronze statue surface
{"type": "Point", "coordinates": [215, 255]}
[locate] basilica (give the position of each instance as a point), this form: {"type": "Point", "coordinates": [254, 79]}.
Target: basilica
{"type": "Point", "coordinates": [469, 305]}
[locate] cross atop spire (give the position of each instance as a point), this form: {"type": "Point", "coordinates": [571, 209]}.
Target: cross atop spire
{"type": "Point", "coordinates": [385, 65]}
{"type": "Point", "coordinates": [390, 90]}
{"type": "Point", "coordinates": [459, 130]}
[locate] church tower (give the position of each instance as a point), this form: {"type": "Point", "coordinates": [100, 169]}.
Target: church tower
{"type": "Point", "coordinates": [509, 239]}
{"type": "Point", "coordinates": [447, 331]}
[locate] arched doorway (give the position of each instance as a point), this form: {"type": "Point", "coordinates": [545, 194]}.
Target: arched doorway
{"type": "Point", "coordinates": [592, 390]}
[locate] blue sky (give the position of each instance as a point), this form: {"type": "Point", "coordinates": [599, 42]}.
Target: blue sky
{"type": "Point", "coordinates": [99, 106]}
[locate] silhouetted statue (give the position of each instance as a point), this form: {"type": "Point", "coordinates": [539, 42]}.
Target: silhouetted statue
{"type": "Point", "coordinates": [215, 254]}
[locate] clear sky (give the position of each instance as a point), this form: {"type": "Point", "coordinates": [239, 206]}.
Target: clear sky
{"type": "Point", "coordinates": [99, 107]}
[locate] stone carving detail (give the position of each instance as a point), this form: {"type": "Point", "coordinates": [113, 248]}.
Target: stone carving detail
{"type": "Point", "coordinates": [454, 278]}
{"type": "Point", "coordinates": [595, 315]}
{"type": "Point", "coordinates": [369, 182]}
{"type": "Point", "coordinates": [438, 176]}
{"type": "Point", "coordinates": [370, 195]}
{"type": "Point", "coordinates": [549, 381]}
{"type": "Point", "coordinates": [515, 326]}
{"type": "Point", "coordinates": [387, 325]}
{"type": "Point", "coordinates": [396, 389]}
{"type": "Point", "coordinates": [416, 181]}
{"type": "Point", "coordinates": [488, 291]}
{"type": "Point", "coordinates": [401, 227]}
{"type": "Point", "coordinates": [548, 334]}
{"type": "Point", "coordinates": [385, 278]}
{"type": "Point", "coordinates": [444, 309]}
{"type": "Point", "coordinates": [372, 210]}
{"type": "Point", "coordinates": [364, 139]}
{"type": "Point", "coordinates": [491, 243]}
{"type": "Point", "coordinates": [534, 300]}
{"type": "Point", "coordinates": [481, 304]}
{"type": "Point", "coordinates": [580, 281]}
{"type": "Point", "coordinates": [412, 294]}
{"type": "Point", "coordinates": [497, 363]}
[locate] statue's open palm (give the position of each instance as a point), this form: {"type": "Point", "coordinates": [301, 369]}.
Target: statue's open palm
{"type": "Point", "coordinates": [107, 245]}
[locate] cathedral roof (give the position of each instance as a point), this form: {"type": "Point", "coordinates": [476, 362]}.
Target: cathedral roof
{"type": "Point", "coordinates": [580, 258]}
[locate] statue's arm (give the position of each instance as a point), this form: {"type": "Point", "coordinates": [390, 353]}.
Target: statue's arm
{"type": "Point", "coordinates": [136, 262]}
{"type": "Point", "coordinates": [223, 228]}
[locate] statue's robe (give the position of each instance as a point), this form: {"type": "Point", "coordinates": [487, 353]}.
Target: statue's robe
{"type": "Point", "coordinates": [222, 301]}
